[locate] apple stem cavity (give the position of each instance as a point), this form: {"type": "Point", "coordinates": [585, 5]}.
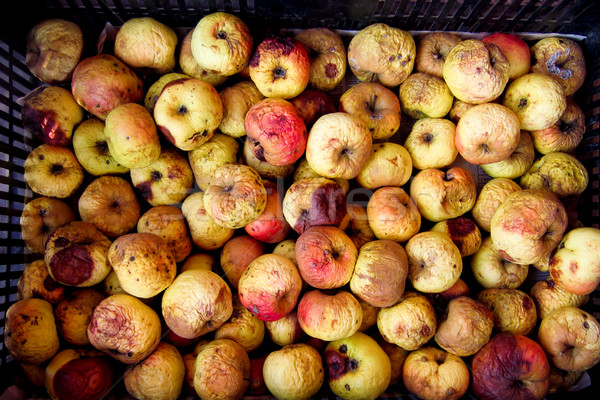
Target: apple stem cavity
{"type": "Point", "coordinates": [279, 73]}
{"type": "Point", "coordinates": [221, 34]}
{"type": "Point", "coordinates": [57, 169]}
{"type": "Point", "coordinates": [182, 110]}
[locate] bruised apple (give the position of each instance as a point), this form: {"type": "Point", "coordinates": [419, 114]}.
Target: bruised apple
{"type": "Point", "coordinates": [464, 233]}
{"type": "Point", "coordinates": [271, 225]}
{"type": "Point", "coordinates": [237, 254]}
{"type": "Point", "coordinates": [393, 215]}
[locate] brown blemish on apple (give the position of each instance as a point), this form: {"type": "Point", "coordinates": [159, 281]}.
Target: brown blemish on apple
{"type": "Point", "coordinates": [331, 70]}
{"type": "Point", "coordinates": [505, 255]}
{"type": "Point", "coordinates": [425, 330]}
{"type": "Point", "coordinates": [527, 303]}
{"type": "Point", "coordinates": [145, 190]}
{"type": "Point", "coordinates": [83, 378]}
{"type": "Point", "coordinates": [573, 267]}
{"type": "Point", "coordinates": [72, 265]}
{"type": "Point", "coordinates": [328, 207]}
{"type": "Point", "coordinates": [458, 228]}
{"type": "Point", "coordinates": [43, 124]}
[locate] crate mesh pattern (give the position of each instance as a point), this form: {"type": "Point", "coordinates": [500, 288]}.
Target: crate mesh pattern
{"type": "Point", "coordinates": [519, 16]}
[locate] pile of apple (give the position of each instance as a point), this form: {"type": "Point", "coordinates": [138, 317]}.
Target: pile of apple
{"type": "Point", "coordinates": [262, 238]}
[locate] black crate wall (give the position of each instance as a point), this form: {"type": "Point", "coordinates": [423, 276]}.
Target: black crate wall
{"type": "Point", "coordinates": [263, 17]}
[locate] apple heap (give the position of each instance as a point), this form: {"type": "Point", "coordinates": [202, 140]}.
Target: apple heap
{"type": "Point", "coordinates": [229, 227]}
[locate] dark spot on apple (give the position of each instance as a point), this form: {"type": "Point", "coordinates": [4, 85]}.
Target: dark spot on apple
{"type": "Point", "coordinates": [101, 147]}
{"type": "Point", "coordinates": [279, 44]}
{"type": "Point", "coordinates": [391, 58]}
{"type": "Point", "coordinates": [586, 325]}
{"type": "Point", "coordinates": [255, 60]}
{"type": "Point", "coordinates": [41, 157]}
{"type": "Point", "coordinates": [254, 309]}
{"type": "Point", "coordinates": [458, 228]}
{"type": "Point", "coordinates": [441, 359]}
{"type": "Point", "coordinates": [343, 348]}
{"type": "Point", "coordinates": [573, 267]}
{"type": "Point", "coordinates": [61, 242]}
{"type": "Point", "coordinates": [485, 148]}
{"type": "Point", "coordinates": [90, 377]}
{"type": "Point", "coordinates": [448, 177]}
{"type": "Point", "coordinates": [155, 176]}
{"type": "Point", "coordinates": [522, 103]}
{"type": "Point", "coordinates": [347, 387]}
{"type": "Point", "coordinates": [566, 127]}
{"type": "Point", "coordinates": [44, 124]}
{"type": "Point", "coordinates": [132, 258]}
{"type": "Point", "coordinates": [427, 137]}
{"type": "Point", "coordinates": [527, 303]}
{"type": "Point", "coordinates": [50, 284]}
{"type": "Point", "coordinates": [209, 324]}
{"type": "Point", "coordinates": [425, 330]}
{"type": "Point", "coordinates": [56, 169]}
{"type": "Point", "coordinates": [331, 70]}
{"type": "Point", "coordinates": [72, 265]}
{"type": "Point", "coordinates": [352, 364]}
{"type": "Point", "coordinates": [327, 207]}
{"type": "Point", "coordinates": [145, 189]}
{"type": "Point", "coordinates": [279, 73]}
{"type": "Point", "coordinates": [550, 283]}
{"type": "Point", "coordinates": [337, 364]}
{"type": "Point", "coordinates": [221, 34]}
{"type": "Point", "coordinates": [182, 110]}
{"type": "Point", "coordinates": [346, 152]}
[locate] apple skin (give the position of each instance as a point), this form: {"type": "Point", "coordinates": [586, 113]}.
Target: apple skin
{"type": "Point", "coordinates": [562, 59]}
{"type": "Point", "coordinates": [358, 368]}
{"type": "Point", "coordinates": [280, 67]}
{"type": "Point", "coordinates": [517, 163]}
{"type": "Point", "coordinates": [312, 104]}
{"type": "Point", "coordinates": [510, 367]}
{"type": "Point", "coordinates": [430, 143]}
{"type": "Point", "coordinates": [102, 82]}
{"type": "Point", "coordinates": [270, 286]}
{"type": "Point", "coordinates": [515, 50]}
{"type": "Point", "coordinates": [491, 195]}
{"type": "Point", "coordinates": [464, 233]}
{"type": "Point", "coordinates": [237, 254]}
{"type": "Point", "coordinates": [270, 226]}
{"type": "Point", "coordinates": [329, 315]}
{"type": "Point", "coordinates": [575, 266]}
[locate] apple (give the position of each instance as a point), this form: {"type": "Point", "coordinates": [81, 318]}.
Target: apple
{"type": "Point", "coordinates": [53, 171]}
{"type": "Point", "coordinates": [517, 163]}
{"type": "Point", "coordinates": [145, 42]}
{"type": "Point", "coordinates": [110, 203]}
{"type": "Point", "coordinates": [377, 106]}
{"type": "Point", "coordinates": [91, 149]}
{"type": "Point", "coordinates": [327, 54]}
{"type": "Point", "coordinates": [491, 195]}
{"type": "Point", "coordinates": [294, 372]}
{"type": "Point", "coordinates": [131, 136]}
{"type": "Point", "coordinates": [197, 302]}
{"type": "Point", "coordinates": [154, 90]}
{"type": "Point", "coordinates": [286, 330]}
{"type": "Point", "coordinates": [314, 201]}
{"type": "Point", "coordinates": [487, 133]}
{"type": "Point", "coordinates": [270, 226]}
{"type": "Point", "coordinates": [187, 112]}
{"type": "Point", "coordinates": [443, 195]}
{"type": "Point", "coordinates": [312, 104]}
{"type": "Point", "coordinates": [410, 323]}
{"type": "Point", "coordinates": [125, 328]}
{"type": "Point", "coordinates": [357, 367]}
{"type": "Point", "coordinates": [537, 99]}
{"type": "Point", "coordinates": [329, 316]}
{"type": "Point", "coordinates": [465, 327]}
{"type": "Point", "coordinates": [326, 257]}
{"type": "Point", "coordinates": [432, 373]}
{"type": "Point", "coordinates": [221, 43]}
{"type": "Point", "coordinates": [166, 181]}
{"type": "Point", "coordinates": [102, 82]}
{"type": "Point", "coordinates": [464, 234]}
{"type": "Point", "coordinates": [571, 338]}
{"type": "Point", "coordinates": [168, 222]}
{"type": "Point", "coordinates": [79, 374]}
{"type": "Point", "coordinates": [574, 266]}
{"type": "Point", "coordinates": [393, 215]}
{"type": "Point", "coordinates": [430, 143]}
{"type": "Point", "coordinates": [512, 367]}
{"type": "Point", "coordinates": [35, 281]}
{"type": "Point", "coordinates": [380, 272]}
{"type": "Point", "coordinates": [560, 173]}
{"type": "Point", "coordinates": [382, 53]}
{"type": "Point", "coordinates": [205, 159]}
{"type": "Point", "coordinates": [515, 50]}
{"type": "Point", "coordinates": [434, 262]}
{"type": "Point", "coordinates": [51, 114]}
{"type": "Point", "coordinates": [562, 59]}
{"type": "Point", "coordinates": [548, 296]}
{"type": "Point", "coordinates": [280, 67]}
{"type": "Point", "coordinates": [389, 164]}
{"type": "Point", "coordinates": [237, 254]}
{"type": "Point", "coordinates": [237, 99]}
{"type": "Point", "coordinates": [242, 327]}
{"type": "Point", "coordinates": [425, 96]}
{"type": "Point", "coordinates": [39, 218]}
{"type": "Point", "coordinates": [270, 286]}
{"type": "Point", "coordinates": [276, 132]}
{"type": "Point", "coordinates": [432, 50]}
{"type": "Point", "coordinates": [338, 145]}
{"type": "Point", "coordinates": [491, 270]}
{"type": "Point", "coordinates": [514, 311]}
{"type": "Point", "coordinates": [528, 225]}
{"type": "Point", "coordinates": [198, 261]}
{"type": "Point", "coordinates": [476, 72]}
{"type": "Point", "coordinates": [54, 48]}
{"type": "Point", "coordinates": [236, 196]}
{"type": "Point", "coordinates": [565, 134]}
{"type": "Point", "coordinates": [206, 234]}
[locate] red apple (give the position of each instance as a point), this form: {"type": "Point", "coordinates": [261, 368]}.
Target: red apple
{"type": "Point", "coordinates": [270, 287]}
{"type": "Point", "coordinates": [237, 254]}
{"type": "Point", "coordinates": [511, 366]}
{"type": "Point", "coordinates": [515, 50]}
{"type": "Point", "coordinates": [271, 226]}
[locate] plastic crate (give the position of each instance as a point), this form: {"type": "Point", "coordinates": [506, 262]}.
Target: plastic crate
{"type": "Point", "coordinates": [563, 17]}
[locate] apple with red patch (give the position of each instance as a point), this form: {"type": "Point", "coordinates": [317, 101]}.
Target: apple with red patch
{"type": "Point", "coordinates": [270, 226]}
{"type": "Point", "coordinates": [515, 50]}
